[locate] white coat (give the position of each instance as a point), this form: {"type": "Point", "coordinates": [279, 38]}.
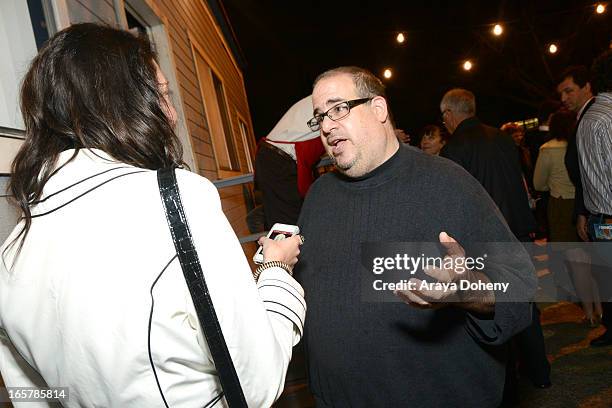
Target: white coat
{"type": "Point", "coordinates": [96, 300]}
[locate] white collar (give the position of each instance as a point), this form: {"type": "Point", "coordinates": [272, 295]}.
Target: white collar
{"type": "Point", "coordinates": [583, 106]}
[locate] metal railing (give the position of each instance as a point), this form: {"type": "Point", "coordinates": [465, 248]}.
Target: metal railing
{"type": "Point", "coordinates": [11, 133]}
{"type": "Point", "coordinates": [219, 184]}
{"type": "Point", "coordinates": [249, 178]}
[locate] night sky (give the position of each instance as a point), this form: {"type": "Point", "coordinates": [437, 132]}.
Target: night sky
{"type": "Point", "coordinates": [286, 44]}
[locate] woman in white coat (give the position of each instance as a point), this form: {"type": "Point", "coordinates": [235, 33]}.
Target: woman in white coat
{"type": "Point", "coordinates": [92, 296]}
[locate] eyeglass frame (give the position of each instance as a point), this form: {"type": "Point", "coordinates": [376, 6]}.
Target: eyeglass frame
{"type": "Point", "coordinates": [319, 118]}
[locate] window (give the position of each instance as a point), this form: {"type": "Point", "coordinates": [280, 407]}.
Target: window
{"type": "Point", "coordinates": [42, 21]}
{"type": "Point", "coordinates": [141, 17]}
{"type": "Point", "coordinates": [227, 128]}
{"type": "Point", "coordinates": [216, 111]}
{"type": "Point", "coordinates": [244, 133]}
{"type": "Point", "coordinates": [135, 26]}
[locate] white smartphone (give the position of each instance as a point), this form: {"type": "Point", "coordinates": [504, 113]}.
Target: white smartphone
{"type": "Point", "coordinates": [277, 233]}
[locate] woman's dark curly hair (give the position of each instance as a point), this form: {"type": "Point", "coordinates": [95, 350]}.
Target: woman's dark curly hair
{"type": "Point", "coordinates": [90, 86]}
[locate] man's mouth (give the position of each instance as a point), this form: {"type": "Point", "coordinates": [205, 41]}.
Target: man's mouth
{"type": "Point", "coordinates": [334, 142]}
{"type": "Point", "coordinates": [337, 145]}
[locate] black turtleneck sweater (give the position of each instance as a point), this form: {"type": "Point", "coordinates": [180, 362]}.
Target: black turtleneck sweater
{"type": "Point", "coordinates": [374, 354]}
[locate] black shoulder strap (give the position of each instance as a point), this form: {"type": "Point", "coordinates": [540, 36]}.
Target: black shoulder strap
{"type": "Point", "coordinates": [188, 258]}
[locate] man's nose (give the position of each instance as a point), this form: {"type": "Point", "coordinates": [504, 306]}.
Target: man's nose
{"type": "Point", "coordinates": [327, 124]}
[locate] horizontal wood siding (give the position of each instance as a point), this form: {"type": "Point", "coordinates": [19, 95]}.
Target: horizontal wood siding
{"type": "Point", "coordinates": [233, 205]}
{"type": "Point", "coordinates": [91, 11]}
{"type": "Point", "coordinates": [185, 17]}
{"type": "Point", "coordinates": [178, 28]}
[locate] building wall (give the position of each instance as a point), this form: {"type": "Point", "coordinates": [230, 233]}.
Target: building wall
{"type": "Point", "coordinates": [8, 213]}
{"type": "Point", "coordinates": [89, 11]}
{"type": "Point", "coordinates": [191, 22]}
{"type": "Point", "coordinates": [190, 26]}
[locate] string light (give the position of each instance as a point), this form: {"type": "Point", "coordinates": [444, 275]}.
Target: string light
{"type": "Point", "coordinates": [497, 30]}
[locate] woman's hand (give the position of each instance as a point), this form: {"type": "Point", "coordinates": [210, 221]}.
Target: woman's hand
{"type": "Point", "coordinates": [286, 250]}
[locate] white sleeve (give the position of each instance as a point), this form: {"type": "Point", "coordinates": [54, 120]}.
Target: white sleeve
{"type": "Point", "coordinates": [260, 323]}
{"type": "Point", "coordinates": [16, 372]}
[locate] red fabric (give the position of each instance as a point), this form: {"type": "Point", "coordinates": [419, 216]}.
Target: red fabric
{"type": "Point", "coordinates": [308, 154]}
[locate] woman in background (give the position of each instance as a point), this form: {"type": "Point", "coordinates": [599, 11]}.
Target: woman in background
{"type": "Point", "coordinates": [433, 139]}
{"type": "Point", "coordinates": [551, 175]}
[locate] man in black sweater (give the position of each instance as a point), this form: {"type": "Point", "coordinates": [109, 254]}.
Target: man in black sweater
{"type": "Point", "coordinates": [448, 349]}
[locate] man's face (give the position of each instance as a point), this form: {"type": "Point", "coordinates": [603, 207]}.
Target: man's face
{"type": "Point", "coordinates": [572, 96]}
{"type": "Point", "coordinates": [448, 119]}
{"type": "Point", "coordinates": [518, 136]}
{"type": "Point", "coordinates": [432, 143]}
{"type": "Point", "coordinates": [166, 105]}
{"type": "Point", "coordinates": [356, 142]}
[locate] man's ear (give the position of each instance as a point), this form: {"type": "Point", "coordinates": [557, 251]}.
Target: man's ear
{"type": "Point", "coordinates": [380, 108]}
{"type": "Point", "coordinates": [588, 87]}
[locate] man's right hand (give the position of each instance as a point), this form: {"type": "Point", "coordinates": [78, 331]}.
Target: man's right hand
{"type": "Point", "coordinates": [581, 227]}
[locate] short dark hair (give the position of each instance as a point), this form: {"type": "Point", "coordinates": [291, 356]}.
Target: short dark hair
{"type": "Point", "coordinates": [562, 123]}
{"type": "Point", "coordinates": [366, 83]}
{"type": "Point", "coordinates": [579, 74]}
{"type": "Point", "coordinates": [602, 72]}
{"type": "Point", "coordinates": [429, 129]}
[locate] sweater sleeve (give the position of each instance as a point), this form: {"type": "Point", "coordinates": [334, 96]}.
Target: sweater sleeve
{"type": "Point", "coordinates": [260, 322]}
{"type": "Point", "coordinates": [507, 261]}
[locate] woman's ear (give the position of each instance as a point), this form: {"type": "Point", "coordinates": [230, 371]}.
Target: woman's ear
{"type": "Point", "coordinates": [380, 108]}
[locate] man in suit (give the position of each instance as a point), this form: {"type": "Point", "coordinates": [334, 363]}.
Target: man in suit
{"type": "Point", "coordinates": [491, 157]}
{"type": "Point", "coordinates": [575, 90]}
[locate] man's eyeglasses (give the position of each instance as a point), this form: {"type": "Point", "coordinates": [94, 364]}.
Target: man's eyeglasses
{"type": "Point", "coordinates": [335, 113]}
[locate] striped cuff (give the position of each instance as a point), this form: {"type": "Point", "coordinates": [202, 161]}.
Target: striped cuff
{"type": "Point", "coordinates": [282, 295]}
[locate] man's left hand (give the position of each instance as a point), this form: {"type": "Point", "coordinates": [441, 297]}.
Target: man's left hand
{"type": "Point", "coordinates": [435, 298]}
